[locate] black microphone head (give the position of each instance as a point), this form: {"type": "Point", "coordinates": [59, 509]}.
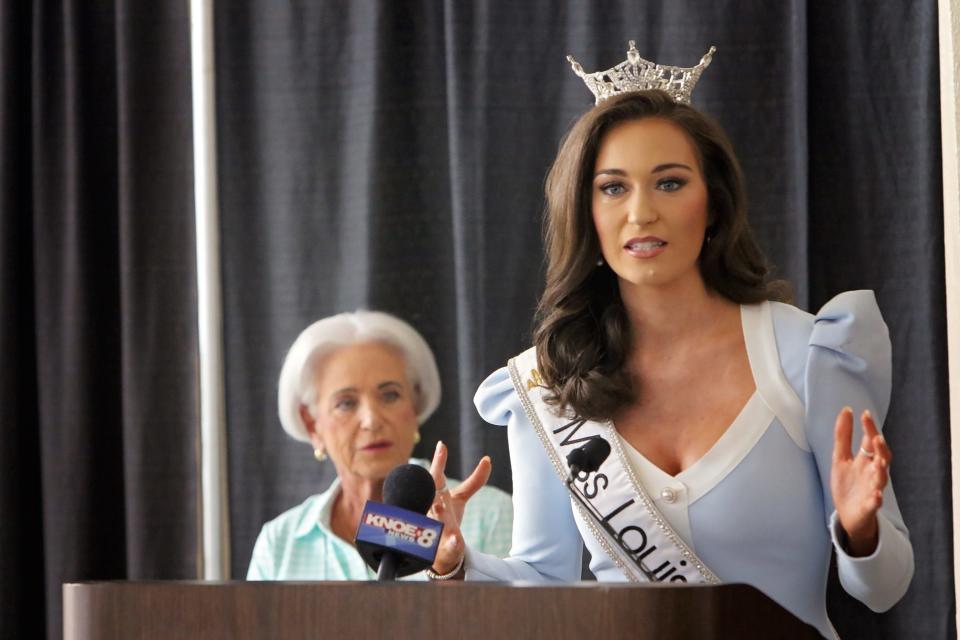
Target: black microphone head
{"type": "Point", "coordinates": [590, 456]}
{"type": "Point", "coordinates": [410, 487]}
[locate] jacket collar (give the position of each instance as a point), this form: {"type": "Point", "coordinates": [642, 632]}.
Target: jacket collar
{"type": "Point", "coordinates": [319, 508]}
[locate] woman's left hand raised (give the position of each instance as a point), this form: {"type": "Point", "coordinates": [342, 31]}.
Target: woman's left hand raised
{"type": "Point", "coordinates": [857, 480]}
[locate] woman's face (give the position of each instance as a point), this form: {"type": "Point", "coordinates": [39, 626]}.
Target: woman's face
{"type": "Point", "coordinates": [365, 410]}
{"type": "Point", "coordinates": [649, 202]}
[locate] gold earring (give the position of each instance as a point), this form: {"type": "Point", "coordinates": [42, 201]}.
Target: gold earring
{"type": "Point", "coordinates": [319, 455]}
{"type": "Point", "coordinates": [416, 437]}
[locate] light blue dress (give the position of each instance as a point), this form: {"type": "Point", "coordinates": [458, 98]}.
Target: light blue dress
{"type": "Point", "coordinates": [757, 507]}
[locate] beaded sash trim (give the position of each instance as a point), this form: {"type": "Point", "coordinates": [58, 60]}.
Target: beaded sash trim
{"type": "Point", "coordinates": [610, 501]}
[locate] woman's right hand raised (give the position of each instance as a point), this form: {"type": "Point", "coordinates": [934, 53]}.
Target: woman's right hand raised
{"type": "Point", "coordinates": [449, 505]}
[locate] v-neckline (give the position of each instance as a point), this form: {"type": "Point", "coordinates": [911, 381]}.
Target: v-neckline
{"type": "Point", "coordinates": [739, 436]}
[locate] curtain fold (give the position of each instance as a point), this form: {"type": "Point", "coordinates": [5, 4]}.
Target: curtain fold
{"type": "Point", "coordinates": [21, 515]}
{"type": "Point", "coordinates": [99, 418]}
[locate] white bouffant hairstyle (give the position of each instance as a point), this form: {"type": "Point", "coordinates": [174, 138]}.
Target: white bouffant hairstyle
{"type": "Point", "coordinates": [296, 386]}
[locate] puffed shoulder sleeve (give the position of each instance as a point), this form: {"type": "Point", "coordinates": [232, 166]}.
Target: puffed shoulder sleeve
{"type": "Point", "coordinates": [546, 543]}
{"type": "Point", "coordinates": [495, 398]}
{"type": "Point", "coordinates": [849, 363]}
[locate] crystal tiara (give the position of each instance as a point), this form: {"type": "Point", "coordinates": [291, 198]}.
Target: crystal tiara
{"type": "Point", "coordinates": [636, 74]}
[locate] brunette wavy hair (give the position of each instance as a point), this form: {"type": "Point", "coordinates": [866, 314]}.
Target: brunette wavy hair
{"type": "Point", "coordinates": [582, 333]}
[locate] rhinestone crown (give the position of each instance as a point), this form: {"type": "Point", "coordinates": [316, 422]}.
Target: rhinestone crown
{"type": "Point", "coordinates": [636, 74]}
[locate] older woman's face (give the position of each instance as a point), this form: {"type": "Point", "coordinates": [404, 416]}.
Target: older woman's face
{"type": "Point", "coordinates": [365, 410]}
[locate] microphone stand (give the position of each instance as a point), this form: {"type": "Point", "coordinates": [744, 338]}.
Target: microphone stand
{"type": "Point", "coordinates": [387, 572]}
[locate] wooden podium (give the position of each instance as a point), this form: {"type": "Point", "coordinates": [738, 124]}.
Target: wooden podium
{"type": "Point", "coordinates": [359, 610]}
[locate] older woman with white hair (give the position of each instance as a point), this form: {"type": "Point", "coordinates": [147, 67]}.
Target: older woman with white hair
{"type": "Point", "coordinates": [357, 386]}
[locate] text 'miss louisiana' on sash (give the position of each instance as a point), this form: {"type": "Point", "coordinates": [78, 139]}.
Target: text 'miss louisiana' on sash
{"type": "Point", "coordinates": [611, 502]}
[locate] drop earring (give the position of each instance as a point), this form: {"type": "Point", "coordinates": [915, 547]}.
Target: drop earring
{"type": "Point", "coordinates": [416, 437]}
{"type": "Point", "coordinates": [711, 232]}
{"type": "Point", "coordinates": [600, 261]}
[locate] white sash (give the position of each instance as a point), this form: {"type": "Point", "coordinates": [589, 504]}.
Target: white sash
{"type": "Point", "coordinates": [613, 493]}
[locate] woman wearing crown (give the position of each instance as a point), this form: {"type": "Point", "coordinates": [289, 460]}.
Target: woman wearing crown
{"type": "Point", "coordinates": [730, 414]}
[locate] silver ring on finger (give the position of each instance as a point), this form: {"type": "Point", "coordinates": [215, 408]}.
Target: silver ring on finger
{"type": "Point", "coordinates": [867, 454]}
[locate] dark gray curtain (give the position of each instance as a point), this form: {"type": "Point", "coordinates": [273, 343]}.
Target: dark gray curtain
{"type": "Point", "coordinates": [391, 155]}
{"type": "Point", "coordinates": [98, 415]}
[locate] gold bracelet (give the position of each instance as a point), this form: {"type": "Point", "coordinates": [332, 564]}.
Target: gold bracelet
{"type": "Point", "coordinates": [433, 575]}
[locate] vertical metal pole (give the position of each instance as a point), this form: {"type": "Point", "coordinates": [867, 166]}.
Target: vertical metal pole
{"type": "Point", "coordinates": [215, 523]}
{"type": "Point", "coordinates": [949, 28]}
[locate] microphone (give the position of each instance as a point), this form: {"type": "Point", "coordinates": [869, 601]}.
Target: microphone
{"type": "Point", "coordinates": [589, 457]}
{"type": "Point", "coordinates": [395, 538]}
